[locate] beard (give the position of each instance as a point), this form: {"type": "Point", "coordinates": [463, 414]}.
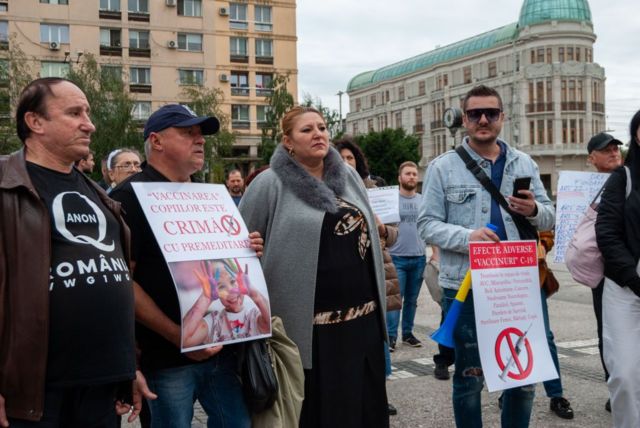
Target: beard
{"type": "Point", "coordinates": [408, 186]}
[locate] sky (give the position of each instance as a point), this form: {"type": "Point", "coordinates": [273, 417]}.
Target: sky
{"type": "Point", "coordinates": [338, 39]}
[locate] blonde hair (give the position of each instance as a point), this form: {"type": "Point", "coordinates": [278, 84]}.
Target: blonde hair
{"type": "Point", "coordinates": [290, 117]}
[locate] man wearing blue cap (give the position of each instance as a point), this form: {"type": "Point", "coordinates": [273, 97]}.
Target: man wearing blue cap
{"type": "Point", "coordinates": [174, 145]}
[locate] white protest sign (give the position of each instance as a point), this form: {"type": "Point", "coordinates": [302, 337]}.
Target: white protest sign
{"type": "Point", "coordinates": [576, 190]}
{"type": "Point", "coordinates": [508, 313]}
{"type": "Point", "coordinates": [385, 202]}
{"type": "Point", "coordinates": [221, 289]}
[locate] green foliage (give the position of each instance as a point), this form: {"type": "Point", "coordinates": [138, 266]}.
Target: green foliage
{"type": "Point", "coordinates": [111, 106]}
{"type": "Point", "coordinates": [15, 74]}
{"type": "Point", "coordinates": [280, 101]}
{"type": "Point", "coordinates": [331, 117]}
{"type": "Point", "coordinates": [386, 150]}
{"type": "Point", "coordinates": [207, 102]}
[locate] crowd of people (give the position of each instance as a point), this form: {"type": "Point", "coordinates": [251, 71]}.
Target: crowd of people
{"type": "Point", "coordinates": [91, 326]}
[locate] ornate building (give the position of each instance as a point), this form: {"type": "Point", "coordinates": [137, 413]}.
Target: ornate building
{"type": "Point", "coordinates": [542, 66]}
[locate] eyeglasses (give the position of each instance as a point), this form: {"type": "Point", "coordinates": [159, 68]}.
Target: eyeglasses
{"type": "Point", "coordinates": [128, 166]}
{"type": "Point", "coordinates": [492, 114]}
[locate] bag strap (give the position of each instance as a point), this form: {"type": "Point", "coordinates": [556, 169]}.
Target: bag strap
{"type": "Point", "coordinates": [481, 176]}
{"type": "Point", "coordinates": [629, 184]}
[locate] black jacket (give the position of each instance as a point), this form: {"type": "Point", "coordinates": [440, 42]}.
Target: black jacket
{"type": "Point", "coordinates": [618, 230]}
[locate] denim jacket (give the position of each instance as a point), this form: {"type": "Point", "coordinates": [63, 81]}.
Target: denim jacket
{"type": "Point", "coordinates": [454, 204]}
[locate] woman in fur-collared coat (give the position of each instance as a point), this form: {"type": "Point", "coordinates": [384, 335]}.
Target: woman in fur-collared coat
{"type": "Point", "coordinates": [323, 267]}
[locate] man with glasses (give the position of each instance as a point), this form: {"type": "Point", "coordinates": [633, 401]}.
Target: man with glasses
{"type": "Point", "coordinates": [455, 210]}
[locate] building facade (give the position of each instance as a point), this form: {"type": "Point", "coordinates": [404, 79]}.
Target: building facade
{"type": "Point", "coordinates": [160, 46]}
{"type": "Point", "coordinates": [542, 66]}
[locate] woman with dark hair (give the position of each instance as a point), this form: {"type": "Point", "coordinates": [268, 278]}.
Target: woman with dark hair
{"type": "Point", "coordinates": [352, 154]}
{"type": "Point", "coordinates": [618, 235]}
{"type": "Point", "coordinates": [324, 270]}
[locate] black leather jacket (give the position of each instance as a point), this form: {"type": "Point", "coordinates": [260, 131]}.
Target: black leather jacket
{"type": "Point", "coordinates": [25, 252]}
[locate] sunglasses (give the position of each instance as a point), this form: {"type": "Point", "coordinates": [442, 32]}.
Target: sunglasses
{"type": "Point", "coordinates": [492, 114]}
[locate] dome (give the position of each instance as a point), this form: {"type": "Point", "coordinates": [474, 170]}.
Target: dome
{"type": "Point", "coordinates": [539, 11]}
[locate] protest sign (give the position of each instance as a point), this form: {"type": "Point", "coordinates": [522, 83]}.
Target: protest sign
{"type": "Point", "coordinates": [222, 291]}
{"type": "Point", "coordinates": [508, 313]}
{"type": "Point", "coordinates": [576, 190]}
{"type": "Point", "coordinates": [385, 202]}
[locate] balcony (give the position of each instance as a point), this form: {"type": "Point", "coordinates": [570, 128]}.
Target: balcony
{"type": "Point", "coordinates": [262, 92]}
{"type": "Point", "coordinates": [139, 16]}
{"type": "Point", "coordinates": [140, 52]}
{"type": "Point", "coordinates": [264, 60]}
{"type": "Point", "coordinates": [240, 124]}
{"type": "Point", "coordinates": [4, 45]}
{"type": "Point", "coordinates": [262, 124]}
{"type": "Point", "coordinates": [597, 107]}
{"type": "Point", "coordinates": [110, 14]}
{"type": "Point", "coordinates": [573, 106]}
{"type": "Point", "coordinates": [140, 88]}
{"type": "Point", "coordinates": [111, 50]}
{"type": "Point", "coordinates": [242, 91]}
{"type": "Point", "coordinates": [539, 107]}
{"type": "Point", "coordinates": [243, 58]}
{"type": "Point", "coordinates": [418, 129]}
{"type": "Point", "coordinates": [435, 124]}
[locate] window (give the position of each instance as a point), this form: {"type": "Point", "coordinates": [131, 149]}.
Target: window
{"type": "Point", "coordinates": [240, 116]}
{"type": "Point", "coordinates": [399, 120]}
{"type": "Point", "coordinates": [588, 55]}
{"type": "Point", "coordinates": [110, 37]}
{"type": "Point", "coordinates": [110, 5]}
{"type": "Point", "coordinates": [191, 77]}
{"type": "Point", "coordinates": [401, 93]}
{"type": "Point", "coordinates": [578, 50]}
{"type": "Point", "coordinates": [55, 1]}
{"type": "Point", "coordinates": [549, 131]}
{"type": "Point", "coordinates": [561, 54]}
{"type": "Point", "coordinates": [141, 110]}
{"type": "Point", "coordinates": [358, 104]}
{"type": "Point", "coordinates": [264, 48]}
{"type": "Point", "coordinates": [354, 128]}
{"type": "Point", "coordinates": [54, 69]}
{"type": "Point", "coordinates": [418, 115]}
{"type": "Point", "coordinates": [139, 6]}
{"type": "Point", "coordinates": [540, 55]}
{"type": "Point", "coordinates": [190, 7]}
{"type": "Point", "coordinates": [54, 33]}
{"type": "Point", "coordinates": [549, 57]}
{"type": "Point", "coordinates": [111, 72]}
{"type": "Point", "coordinates": [4, 31]}
{"type": "Point", "coordinates": [466, 74]}
{"type": "Point", "coordinates": [261, 115]}
{"type": "Point", "coordinates": [263, 84]}
{"type": "Point", "coordinates": [140, 75]}
{"type": "Point", "coordinates": [4, 7]}
{"type": "Point", "coordinates": [540, 131]}
{"type": "Point", "coordinates": [138, 39]}
{"type": "Point", "coordinates": [493, 69]}
{"type": "Point", "coordinates": [370, 125]}
{"type": "Point", "coordinates": [421, 88]}
{"type": "Point", "coordinates": [263, 18]}
{"type": "Point", "coordinates": [238, 46]}
{"type": "Point", "coordinates": [570, 54]}
{"type": "Point", "coordinates": [373, 100]}
{"type": "Point", "coordinates": [532, 132]}
{"type": "Point", "coordinates": [239, 83]}
{"type": "Point", "coordinates": [238, 16]}
{"type": "Point", "coordinates": [190, 41]}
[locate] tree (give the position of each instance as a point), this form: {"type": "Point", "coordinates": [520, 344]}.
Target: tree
{"type": "Point", "coordinates": [331, 117]}
{"type": "Point", "coordinates": [207, 102]}
{"type": "Point", "coordinates": [111, 108]}
{"type": "Point", "coordinates": [15, 73]}
{"type": "Point", "coordinates": [386, 150]}
{"type": "Point", "coordinates": [280, 101]}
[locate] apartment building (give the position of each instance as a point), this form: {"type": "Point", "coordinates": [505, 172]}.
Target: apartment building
{"type": "Point", "coordinates": [159, 46]}
{"type": "Point", "coordinates": [542, 66]}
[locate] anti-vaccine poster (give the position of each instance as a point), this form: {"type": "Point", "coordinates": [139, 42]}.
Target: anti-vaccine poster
{"type": "Point", "coordinates": [508, 313]}
{"type": "Point", "coordinates": [218, 278]}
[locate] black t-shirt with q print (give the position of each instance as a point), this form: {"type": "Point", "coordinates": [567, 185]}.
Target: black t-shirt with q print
{"type": "Point", "coordinates": [91, 314]}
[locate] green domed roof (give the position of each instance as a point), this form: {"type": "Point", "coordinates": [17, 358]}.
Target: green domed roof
{"type": "Point", "coordinates": [539, 11]}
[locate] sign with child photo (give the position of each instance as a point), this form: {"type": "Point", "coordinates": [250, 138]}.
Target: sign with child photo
{"type": "Point", "coordinates": [218, 278]}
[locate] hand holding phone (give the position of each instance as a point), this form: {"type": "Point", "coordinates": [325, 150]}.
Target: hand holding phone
{"type": "Point", "coordinates": [521, 183]}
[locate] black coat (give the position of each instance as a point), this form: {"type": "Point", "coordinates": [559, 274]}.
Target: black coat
{"type": "Point", "coordinates": [618, 230]}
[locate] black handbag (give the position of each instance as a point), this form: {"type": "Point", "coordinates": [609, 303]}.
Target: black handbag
{"type": "Point", "coordinates": [259, 382]}
{"type": "Point", "coordinates": [526, 230]}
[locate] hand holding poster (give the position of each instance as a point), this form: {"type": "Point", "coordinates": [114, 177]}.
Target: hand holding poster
{"type": "Point", "coordinates": [508, 313]}
{"type": "Point", "coordinates": [385, 202]}
{"type": "Point", "coordinates": [222, 292]}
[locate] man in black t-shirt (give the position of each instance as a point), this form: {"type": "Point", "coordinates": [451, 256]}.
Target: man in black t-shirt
{"type": "Point", "coordinates": [174, 144]}
{"type": "Point", "coordinates": [67, 310]}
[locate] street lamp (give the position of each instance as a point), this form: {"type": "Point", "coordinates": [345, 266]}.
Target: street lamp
{"type": "Point", "coordinates": [339, 94]}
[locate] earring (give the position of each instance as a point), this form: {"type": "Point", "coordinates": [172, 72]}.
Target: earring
{"type": "Point", "coordinates": [290, 151]}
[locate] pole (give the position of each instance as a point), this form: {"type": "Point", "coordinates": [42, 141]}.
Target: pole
{"type": "Point", "coordinates": [339, 94]}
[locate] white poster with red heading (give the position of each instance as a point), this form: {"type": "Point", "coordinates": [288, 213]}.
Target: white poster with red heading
{"type": "Point", "coordinates": [218, 278]}
{"type": "Point", "coordinates": [508, 312]}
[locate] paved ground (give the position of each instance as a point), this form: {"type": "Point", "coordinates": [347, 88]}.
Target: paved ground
{"type": "Point", "coordinates": [423, 401]}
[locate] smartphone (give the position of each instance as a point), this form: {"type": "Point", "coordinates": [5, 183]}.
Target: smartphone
{"type": "Point", "coordinates": [521, 183]}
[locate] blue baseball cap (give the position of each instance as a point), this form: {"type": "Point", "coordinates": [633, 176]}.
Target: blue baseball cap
{"type": "Point", "coordinates": [179, 116]}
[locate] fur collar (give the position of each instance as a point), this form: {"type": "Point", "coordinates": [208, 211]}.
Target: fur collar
{"type": "Point", "coordinates": [313, 192]}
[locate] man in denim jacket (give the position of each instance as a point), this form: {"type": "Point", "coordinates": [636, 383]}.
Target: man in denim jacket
{"type": "Point", "coordinates": [455, 210]}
